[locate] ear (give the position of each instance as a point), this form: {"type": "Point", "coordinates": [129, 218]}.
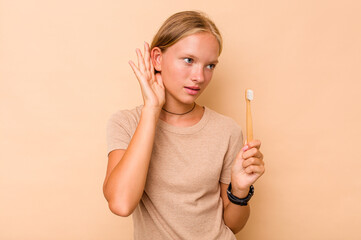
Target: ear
{"type": "Point", "coordinates": [156, 57]}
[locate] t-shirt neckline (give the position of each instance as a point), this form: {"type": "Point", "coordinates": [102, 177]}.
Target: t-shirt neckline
{"type": "Point", "coordinates": [186, 130]}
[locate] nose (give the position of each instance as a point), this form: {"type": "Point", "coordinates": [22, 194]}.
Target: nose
{"type": "Point", "coordinates": [198, 74]}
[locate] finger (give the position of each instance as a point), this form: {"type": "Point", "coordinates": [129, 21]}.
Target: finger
{"type": "Point", "coordinates": [146, 56]}
{"type": "Point", "coordinates": [132, 65]}
{"type": "Point", "coordinates": [141, 65]}
{"type": "Point", "coordinates": [253, 152]}
{"type": "Point", "coordinates": [158, 77]}
{"type": "Point", "coordinates": [152, 70]}
{"type": "Point", "coordinates": [252, 161]}
{"type": "Point", "coordinates": [136, 71]}
{"type": "Point", "coordinates": [255, 169]}
{"type": "Point", "coordinates": [240, 153]}
{"type": "Point", "coordinates": [254, 143]}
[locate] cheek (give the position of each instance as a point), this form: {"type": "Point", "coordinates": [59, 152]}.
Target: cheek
{"type": "Point", "coordinates": [208, 74]}
{"type": "Point", "coordinates": [182, 72]}
{"type": "Point", "coordinates": [178, 68]}
{"type": "Point", "coordinates": [177, 72]}
{"type": "Point", "coordinates": [207, 77]}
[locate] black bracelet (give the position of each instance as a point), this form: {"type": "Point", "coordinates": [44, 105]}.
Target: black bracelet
{"type": "Point", "coordinates": [239, 201]}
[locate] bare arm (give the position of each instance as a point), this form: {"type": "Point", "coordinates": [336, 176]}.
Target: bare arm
{"type": "Point", "coordinates": [246, 169]}
{"type": "Point", "coordinates": [235, 216]}
{"type": "Point", "coordinates": [127, 169]}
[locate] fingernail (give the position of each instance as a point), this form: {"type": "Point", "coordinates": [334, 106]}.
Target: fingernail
{"type": "Point", "coordinates": [245, 148]}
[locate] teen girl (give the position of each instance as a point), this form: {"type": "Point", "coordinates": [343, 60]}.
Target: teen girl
{"type": "Point", "coordinates": [170, 160]}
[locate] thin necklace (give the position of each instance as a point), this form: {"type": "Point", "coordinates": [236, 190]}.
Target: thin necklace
{"type": "Point", "coordinates": [181, 113]}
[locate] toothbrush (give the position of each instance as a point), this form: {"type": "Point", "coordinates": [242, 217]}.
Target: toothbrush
{"type": "Point", "coordinates": [249, 98]}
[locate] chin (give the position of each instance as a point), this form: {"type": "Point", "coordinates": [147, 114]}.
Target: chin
{"type": "Point", "coordinates": [183, 99]}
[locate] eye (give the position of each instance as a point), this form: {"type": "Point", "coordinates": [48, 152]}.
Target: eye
{"type": "Point", "coordinates": [211, 66]}
{"type": "Point", "coordinates": [188, 60]}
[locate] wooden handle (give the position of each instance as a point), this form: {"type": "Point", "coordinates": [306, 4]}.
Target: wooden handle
{"type": "Point", "coordinates": [249, 122]}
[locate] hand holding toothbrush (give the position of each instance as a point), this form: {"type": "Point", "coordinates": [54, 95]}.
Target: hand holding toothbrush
{"type": "Point", "coordinates": [248, 165]}
{"type": "Point", "coordinates": [247, 168]}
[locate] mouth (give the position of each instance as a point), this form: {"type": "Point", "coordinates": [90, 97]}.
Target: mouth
{"type": "Point", "coordinates": [194, 88]}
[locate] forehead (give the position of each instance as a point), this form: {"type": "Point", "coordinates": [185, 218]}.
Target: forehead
{"type": "Point", "coordinates": [201, 45]}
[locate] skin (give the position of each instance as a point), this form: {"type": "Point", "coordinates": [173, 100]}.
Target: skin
{"type": "Point", "coordinates": [191, 62]}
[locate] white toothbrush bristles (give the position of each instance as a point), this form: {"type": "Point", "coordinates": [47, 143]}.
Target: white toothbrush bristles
{"type": "Point", "coordinates": [250, 94]}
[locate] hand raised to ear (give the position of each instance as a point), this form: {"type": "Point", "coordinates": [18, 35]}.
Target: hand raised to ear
{"type": "Point", "coordinates": [151, 84]}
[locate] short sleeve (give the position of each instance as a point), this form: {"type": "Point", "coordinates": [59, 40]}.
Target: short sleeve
{"type": "Point", "coordinates": [234, 146]}
{"type": "Point", "coordinates": [118, 132]}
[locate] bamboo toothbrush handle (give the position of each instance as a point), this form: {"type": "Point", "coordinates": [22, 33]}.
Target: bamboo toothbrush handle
{"type": "Point", "coordinates": [249, 122]}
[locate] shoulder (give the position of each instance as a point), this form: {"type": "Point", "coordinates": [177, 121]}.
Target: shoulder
{"type": "Point", "coordinates": [126, 115]}
{"type": "Point", "coordinates": [126, 119]}
{"type": "Point", "coordinates": [226, 122]}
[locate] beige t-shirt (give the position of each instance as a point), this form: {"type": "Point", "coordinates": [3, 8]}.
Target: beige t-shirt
{"type": "Point", "coordinates": [181, 199]}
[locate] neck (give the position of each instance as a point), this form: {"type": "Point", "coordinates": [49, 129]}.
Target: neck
{"type": "Point", "coordinates": [172, 118]}
{"type": "Point", "coordinates": [185, 120]}
{"type": "Point", "coordinates": [180, 113]}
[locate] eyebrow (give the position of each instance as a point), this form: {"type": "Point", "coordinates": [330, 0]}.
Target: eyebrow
{"type": "Point", "coordinates": [191, 55]}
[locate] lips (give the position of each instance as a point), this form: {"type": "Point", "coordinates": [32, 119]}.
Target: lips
{"type": "Point", "coordinates": [193, 88]}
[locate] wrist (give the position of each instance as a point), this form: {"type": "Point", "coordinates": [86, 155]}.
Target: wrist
{"type": "Point", "coordinates": [239, 200]}
{"type": "Point", "coordinates": [151, 111]}
{"type": "Point", "coordinates": [240, 193]}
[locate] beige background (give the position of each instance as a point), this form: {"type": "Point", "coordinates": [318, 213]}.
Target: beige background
{"type": "Point", "coordinates": [64, 71]}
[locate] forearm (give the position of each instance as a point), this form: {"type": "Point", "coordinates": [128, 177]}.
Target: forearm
{"type": "Point", "coordinates": [125, 185]}
{"type": "Point", "coordinates": [236, 216]}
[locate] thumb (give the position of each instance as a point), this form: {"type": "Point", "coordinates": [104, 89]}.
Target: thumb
{"type": "Point", "coordinates": [243, 149]}
{"type": "Point", "coordinates": [239, 158]}
{"type": "Point", "coordinates": [240, 153]}
{"type": "Point", "coordinates": [158, 77]}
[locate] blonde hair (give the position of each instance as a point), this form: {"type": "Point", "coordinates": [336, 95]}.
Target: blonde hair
{"type": "Point", "coordinates": [183, 24]}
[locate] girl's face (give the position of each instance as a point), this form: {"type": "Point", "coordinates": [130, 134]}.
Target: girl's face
{"type": "Point", "coordinates": [187, 66]}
